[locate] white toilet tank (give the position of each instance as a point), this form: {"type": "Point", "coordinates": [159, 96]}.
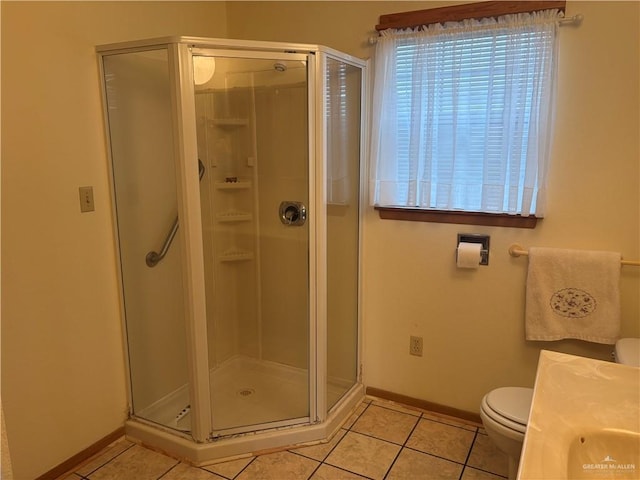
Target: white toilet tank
{"type": "Point", "coordinates": [627, 351]}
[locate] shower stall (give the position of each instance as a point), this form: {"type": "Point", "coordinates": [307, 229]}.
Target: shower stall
{"type": "Point", "coordinates": [236, 173]}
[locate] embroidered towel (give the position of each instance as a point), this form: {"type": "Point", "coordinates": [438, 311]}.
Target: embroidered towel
{"type": "Point", "coordinates": [573, 294]}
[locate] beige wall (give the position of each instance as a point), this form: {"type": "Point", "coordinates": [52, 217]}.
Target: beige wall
{"type": "Point", "coordinates": [472, 321]}
{"type": "Point", "coordinates": [63, 380]}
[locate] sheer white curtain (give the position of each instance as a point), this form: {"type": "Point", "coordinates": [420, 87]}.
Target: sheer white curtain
{"type": "Point", "coordinates": [463, 115]}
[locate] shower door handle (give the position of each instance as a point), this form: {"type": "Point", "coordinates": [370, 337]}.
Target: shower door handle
{"type": "Point", "coordinates": [153, 257]}
{"type": "Point", "coordinates": [293, 213]}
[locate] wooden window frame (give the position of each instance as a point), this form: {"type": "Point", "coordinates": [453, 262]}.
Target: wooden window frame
{"type": "Point", "coordinates": [456, 216]}
{"type": "Point", "coordinates": [457, 13]}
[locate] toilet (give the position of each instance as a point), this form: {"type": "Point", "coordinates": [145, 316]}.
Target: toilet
{"type": "Point", "coordinates": [627, 351]}
{"type": "Point", "coordinates": [505, 411]}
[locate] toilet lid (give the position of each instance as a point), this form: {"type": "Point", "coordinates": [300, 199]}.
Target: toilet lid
{"type": "Point", "coordinates": [513, 403]}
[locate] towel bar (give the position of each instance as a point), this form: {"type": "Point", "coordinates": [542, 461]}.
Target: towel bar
{"type": "Point", "coordinates": [517, 250]}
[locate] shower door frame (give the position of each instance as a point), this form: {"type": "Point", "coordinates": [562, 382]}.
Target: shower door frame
{"type": "Point", "coordinates": [321, 421]}
{"type": "Point", "coordinates": [188, 193]}
{"type": "Point", "coordinates": [322, 54]}
{"type": "Point", "coordinates": [278, 55]}
{"type": "Point", "coordinates": [196, 320]}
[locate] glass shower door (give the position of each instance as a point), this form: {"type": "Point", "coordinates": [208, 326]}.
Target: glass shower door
{"type": "Point", "coordinates": [252, 134]}
{"type": "Point", "coordinates": [342, 111]}
{"type": "Point", "coordinates": [139, 114]}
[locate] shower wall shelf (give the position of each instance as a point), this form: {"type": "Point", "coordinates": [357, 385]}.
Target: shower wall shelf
{"type": "Point", "coordinates": [234, 216]}
{"type": "Point", "coordinates": [230, 122]}
{"type": "Point", "coordinates": [236, 256]}
{"type": "Point", "coordinates": [232, 185]}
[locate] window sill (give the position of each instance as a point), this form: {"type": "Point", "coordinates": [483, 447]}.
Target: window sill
{"type": "Point", "coordinates": [464, 218]}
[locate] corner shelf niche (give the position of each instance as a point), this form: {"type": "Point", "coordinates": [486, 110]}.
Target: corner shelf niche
{"type": "Point", "coordinates": [230, 122]}
{"type": "Point", "coordinates": [236, 255]}
{"type": "Point", "coordinates": [232, 185]}
{"type": "Point", "coordinates": [231, 216]}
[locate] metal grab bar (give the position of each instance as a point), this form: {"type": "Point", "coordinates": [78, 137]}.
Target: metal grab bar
{"type": "Point", "coordinates": [153, 258]}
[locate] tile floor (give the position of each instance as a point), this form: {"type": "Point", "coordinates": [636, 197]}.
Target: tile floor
{"type": "Point", "coordinates": [381, 440]}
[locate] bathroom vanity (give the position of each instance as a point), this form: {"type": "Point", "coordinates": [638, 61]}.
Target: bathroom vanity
{"type": "Point", "coordinates": [584, 421]}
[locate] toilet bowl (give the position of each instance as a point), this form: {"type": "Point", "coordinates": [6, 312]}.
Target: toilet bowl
{"type": "Point", "coordinates": [627, 351]}
{"type": "Point", "coordinates": [505, 411]}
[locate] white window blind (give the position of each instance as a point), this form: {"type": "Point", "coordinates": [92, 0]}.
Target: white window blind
{"type": "Point", "coordinates": [337, 132]}
{"type": "Point", "coordinates": [463, 115]}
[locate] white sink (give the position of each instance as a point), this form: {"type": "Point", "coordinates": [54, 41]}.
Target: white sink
{"type": "Point", "coordinates": [584, 421]}
{"type": "Point", "coordinates": [590, 454]}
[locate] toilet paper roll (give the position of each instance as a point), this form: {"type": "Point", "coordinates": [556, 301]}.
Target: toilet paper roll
{"type": "Point", "coordinates": [469, 255]}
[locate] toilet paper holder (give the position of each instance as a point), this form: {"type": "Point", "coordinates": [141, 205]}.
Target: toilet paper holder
{"type": "Point", "coordinates": [476, 238]}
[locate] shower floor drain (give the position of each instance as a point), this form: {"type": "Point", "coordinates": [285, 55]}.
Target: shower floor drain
{"type": "Point", "coordinates": [245, 392]}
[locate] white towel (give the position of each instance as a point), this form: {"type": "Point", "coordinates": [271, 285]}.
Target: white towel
{"type": "Point", "coordinates": [573, 294]}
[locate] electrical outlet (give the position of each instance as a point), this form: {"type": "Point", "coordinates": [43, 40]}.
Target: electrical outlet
{"type": "Point", "coordinates": [86, 199]}
{"type": "Point", "coordinates": [415, 346]}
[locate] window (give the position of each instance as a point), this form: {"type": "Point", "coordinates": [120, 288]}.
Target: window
{"type": "Point", "coordinates": [463, 114]}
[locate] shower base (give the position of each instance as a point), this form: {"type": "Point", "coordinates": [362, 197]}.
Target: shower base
{"type": "Point", "coordinates": [245, 392]}
{"type": "Point", "coordinates": [249, 381]}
